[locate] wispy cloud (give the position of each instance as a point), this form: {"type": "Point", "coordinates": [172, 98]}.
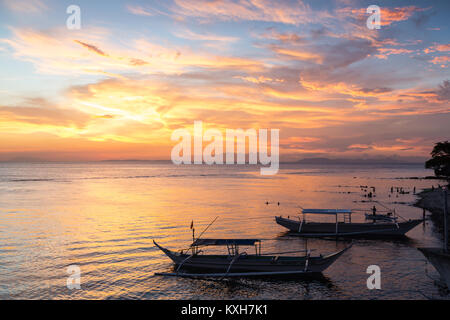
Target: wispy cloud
{"type": "Point", "coordinates": [144, 11]}
{"type": "Point", "coordinates": [25, 6]}
{"type": "Point", "coordinates": [190, 35]}
{"type": "Point", "coordinates": [54, 52]}
{"type": "Point", "coordinates": [92, 48]}
{"type": "Point", "coordinates": [288, 12]}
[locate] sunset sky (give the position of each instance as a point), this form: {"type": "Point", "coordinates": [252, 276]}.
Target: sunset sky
{"type": "Point", "coordinates": [137, 70]}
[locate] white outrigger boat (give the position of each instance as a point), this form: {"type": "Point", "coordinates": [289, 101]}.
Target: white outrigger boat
{"type": "Point", "coordinates": [243, 264]}
{"type": "Point", "coordinates": [344, 227]}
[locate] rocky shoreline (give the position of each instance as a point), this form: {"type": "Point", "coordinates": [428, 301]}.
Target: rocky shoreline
{"type": "Point", "coordinates": [432, 200]}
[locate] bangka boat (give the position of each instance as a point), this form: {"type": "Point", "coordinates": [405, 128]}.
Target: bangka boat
{"type": "Point", "coordinates": [344, 227]}
{"type": "Point", "coordinates": [243, 264]}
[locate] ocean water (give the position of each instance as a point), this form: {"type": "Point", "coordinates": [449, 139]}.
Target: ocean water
{"type": "Point", "coordinates": [103, 216]}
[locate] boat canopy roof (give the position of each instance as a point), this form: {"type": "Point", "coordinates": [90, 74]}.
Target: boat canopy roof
{"type": "Point", "coordinates": [326, 211]}
{"type": "Point", "coordinates": [225, 242]}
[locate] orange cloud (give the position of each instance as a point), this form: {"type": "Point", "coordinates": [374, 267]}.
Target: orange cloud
{"type": "Point", "coordinates": [342, 88]}
{"type": "Point", "coordinates": [438, 47]}
{"type": "Point", "coordinates": [117, 119]}
{"type": "Point", "coordinates": [385, 52]}
{"type": "Point", "coordinates": [441, 60]}
{"type": "Point", "coordinates": [286, 37]}
{"type": "Point", "coordinates": [300, 54]}
{"type": "Point", "coordinates": [388, 15]}
{"type": "Point", "coordinates": [260, 79]}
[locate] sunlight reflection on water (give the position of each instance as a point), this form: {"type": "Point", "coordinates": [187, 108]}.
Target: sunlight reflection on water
{"type": "Point", "coordinates": [103, 217]}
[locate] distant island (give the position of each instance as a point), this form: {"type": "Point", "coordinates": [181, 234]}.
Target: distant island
{"type": "Point", "coordinates": [136, 160]}
{"type": "Point", "coordinates": [359, 161]}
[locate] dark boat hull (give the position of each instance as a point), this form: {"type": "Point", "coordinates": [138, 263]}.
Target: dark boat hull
{"type": "Point", "coordinates": [440, 261]}
{"type": "Point", "coordinates": [252, 263]}
{"type": "Point", "coordinates": [319, 229]}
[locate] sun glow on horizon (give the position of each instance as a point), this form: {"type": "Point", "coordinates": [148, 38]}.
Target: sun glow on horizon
{"type": "Point", "coordinates": [117, 90]}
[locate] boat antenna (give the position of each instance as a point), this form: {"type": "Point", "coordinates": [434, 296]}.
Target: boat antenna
{"type": "Point", "coordinates": [193, 232]}
{"type": "Point", "coordinates": [207, 227]}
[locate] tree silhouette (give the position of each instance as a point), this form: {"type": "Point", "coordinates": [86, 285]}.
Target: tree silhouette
{"type": "Point", "coordinates": [440, 159]}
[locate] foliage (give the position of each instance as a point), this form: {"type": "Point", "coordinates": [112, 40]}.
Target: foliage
{"type": "Point", "coordinates": [440, 159]}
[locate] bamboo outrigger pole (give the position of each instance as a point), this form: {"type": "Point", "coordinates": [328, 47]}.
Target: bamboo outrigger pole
{"type": "Point", "coordinates": [207, 227]}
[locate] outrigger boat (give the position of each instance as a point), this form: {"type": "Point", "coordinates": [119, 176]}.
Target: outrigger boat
{"type": "Point", "coordinates": [344, 227]}
{"type": "Point", "coordinates": [243, 264]}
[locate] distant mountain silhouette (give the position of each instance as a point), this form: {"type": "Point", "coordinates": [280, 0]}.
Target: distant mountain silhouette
{"type": "Point", "coordinates": [319, 160]}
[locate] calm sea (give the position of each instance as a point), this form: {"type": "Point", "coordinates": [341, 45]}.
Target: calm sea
{"type": "Point", "coordinates": [102, 217]}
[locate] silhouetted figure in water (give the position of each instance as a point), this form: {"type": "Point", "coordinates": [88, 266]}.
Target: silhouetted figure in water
{"type": "Point", "coordinates": [374, 210]}
{"type": "Point", "coordinates": [278, 203]}
{"type": "Point", "coordinates": [267, 203]}
{"type": "Point", "coordinates": [414, 190]}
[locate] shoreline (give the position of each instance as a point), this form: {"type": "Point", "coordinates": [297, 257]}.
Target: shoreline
{"type": "Point", "coordinates": [433, 201]}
